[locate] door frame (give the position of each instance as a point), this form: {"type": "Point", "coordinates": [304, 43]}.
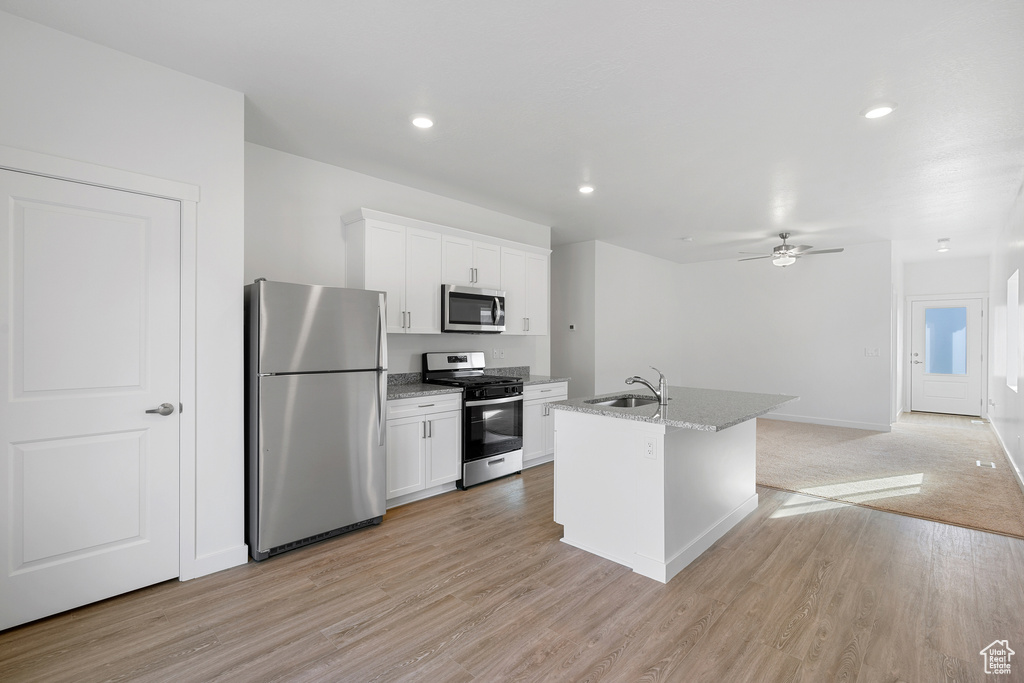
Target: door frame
{"type": "Point", "coordinates": [24, 161]}
{"type": "Point", "coordinates": [908, 331]}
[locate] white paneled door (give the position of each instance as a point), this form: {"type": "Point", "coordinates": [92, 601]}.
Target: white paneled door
{"type": "Point", "coordinates": [90, 349]}
{"type": "Point", "coordinates": [946, 356]}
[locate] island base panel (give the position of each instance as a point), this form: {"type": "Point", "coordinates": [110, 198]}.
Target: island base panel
{"type": "Point", "coordinates": [649, 498]}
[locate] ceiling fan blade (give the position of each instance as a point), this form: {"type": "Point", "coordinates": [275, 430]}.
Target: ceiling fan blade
{"type": "Point", "coordinates": [754, 258]}
{"type": "Point", "coordinates": [801, 249]}
{"type": "Point", "coordinates": [823, 251]}
{"type": "Point", "coordinates": [751, 252]}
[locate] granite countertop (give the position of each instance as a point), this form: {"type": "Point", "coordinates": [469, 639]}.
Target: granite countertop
{"type": "Point", "coordinates": [413, 390]}
{"type": "Point", "coordinates": [529, 379]}
{"type": "Point", "coordinates": [709, 410]}
{"type": "Point", "coordinates": [410, 384]}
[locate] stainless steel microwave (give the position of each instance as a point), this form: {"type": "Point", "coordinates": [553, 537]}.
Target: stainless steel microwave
{"type": "Point", "coordinates": [470, 309]}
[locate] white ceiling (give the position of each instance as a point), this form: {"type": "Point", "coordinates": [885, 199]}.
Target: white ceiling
{"type": "Point", "coordinates": [722, 120]}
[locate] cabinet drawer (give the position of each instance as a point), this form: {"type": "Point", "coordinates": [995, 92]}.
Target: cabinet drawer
{"type": "Point", "coordinates": [433, 403]}
{"type": "Point", "coordinates": [553, 391]}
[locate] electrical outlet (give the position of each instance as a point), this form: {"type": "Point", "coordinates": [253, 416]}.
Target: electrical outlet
{"type": "Point", "coordinates": [502, 353]}
{"type": "Point", "coordinates": [494, 354]}
{"type": "Point", "coordinates": [650, 448]}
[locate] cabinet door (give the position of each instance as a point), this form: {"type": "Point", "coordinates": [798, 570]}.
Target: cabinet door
{"type": "Point", "coordinates": [423, 282]}
{"type": "Point", "coordinates": [513, 281]}
{"type": "Point", "coordinates": [549, 430]}
{"type": "Point", "coordinates": [405, 456]}
{"type": "Point", "coordinates": [536, 294]}
{"type": "Point", "coordinates": [534, 429]}
{"type": "Point", "coordinates": [487, 261]}
{"type": "Point", "coordinates": [457, 261]}
{"type": "Point", "coordinates": [444, 459]}
{"type": "Point", "coordinates": [385, 268]}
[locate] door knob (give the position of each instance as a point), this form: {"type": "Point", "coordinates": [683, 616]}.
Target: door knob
{"type": "Point", "coordinates": [164, 409]}
{"type": "Point", "coordinates": [917, 362]}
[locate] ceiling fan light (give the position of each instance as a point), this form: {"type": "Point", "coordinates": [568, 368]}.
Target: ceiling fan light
{"type": "Point", "coordinates": [784, 260]}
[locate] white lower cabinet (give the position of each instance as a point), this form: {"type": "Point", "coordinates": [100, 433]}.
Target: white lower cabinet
{"type": "Point", "coordinates": [538, 423]}
{"type": "Point", "coordinates": [424, 443]}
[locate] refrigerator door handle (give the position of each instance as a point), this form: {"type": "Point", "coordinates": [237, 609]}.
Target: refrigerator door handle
{"type": "Point", "coordinates": [382, 333]}
{"type": "Point", "coordinates": [382, 367]}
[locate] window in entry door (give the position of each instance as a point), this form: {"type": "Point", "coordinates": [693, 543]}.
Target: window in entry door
{"type": "Point", "coordinates": [945, 341]}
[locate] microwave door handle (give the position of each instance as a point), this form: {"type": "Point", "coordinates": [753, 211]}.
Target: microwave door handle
{"type": "Point", "coordinates": [495, 311]}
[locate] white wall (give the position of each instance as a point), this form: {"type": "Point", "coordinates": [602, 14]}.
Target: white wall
{"type": "Point", "coordinates": [293, 233]}
{"type": "Point", "coordinates": [70, 98]}
{"type": "Point", "coordinates": [1006, 407]}
{"type": "Point", "coordinates": [947, 276]}
{"type": "Point", "coordinates": [573, 303]}
{"type": "Point", "coordinates": [800, 330]}
{"type": "Point", "coordinates": [636, 319]}
{"type": "Point", "coordinates": [898, 362]}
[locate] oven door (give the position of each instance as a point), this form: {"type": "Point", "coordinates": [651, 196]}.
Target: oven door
{"type": "Point", "coordinates": [469, 309]}
{"type": "Point", "coordinates": [492, 426]}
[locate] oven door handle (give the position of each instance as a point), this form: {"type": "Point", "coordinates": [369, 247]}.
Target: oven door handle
{"type": "Point", "coordinates": [493, 401]}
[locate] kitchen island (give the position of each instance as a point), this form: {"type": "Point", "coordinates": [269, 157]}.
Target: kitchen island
{"type": "Point", "coordinates": [652, 487]}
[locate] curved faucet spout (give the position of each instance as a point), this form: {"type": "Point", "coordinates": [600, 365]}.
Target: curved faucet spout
{"type": "Point", "coordinates": [661, 393]}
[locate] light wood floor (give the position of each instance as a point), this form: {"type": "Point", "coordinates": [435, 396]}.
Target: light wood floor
{"type": "Point", "coordinates": [475, 585]}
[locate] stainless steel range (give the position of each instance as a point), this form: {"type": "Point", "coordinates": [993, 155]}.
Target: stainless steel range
{"type": "Point", "coordinates": [492, 415]}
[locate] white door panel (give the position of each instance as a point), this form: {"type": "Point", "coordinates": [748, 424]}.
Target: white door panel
{"type": "Point", "coordinates": [89, 480]}
{"type": "Point", "coordinates": [946, 356]}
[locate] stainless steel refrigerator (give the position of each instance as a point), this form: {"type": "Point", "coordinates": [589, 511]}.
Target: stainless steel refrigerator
{"type": "Point", "coordinates": [316, 385]}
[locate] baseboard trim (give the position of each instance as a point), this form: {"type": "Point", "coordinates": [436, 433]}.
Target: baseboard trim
{"type": "Point", "coordinates": [1017, 475]}
{"type": "Point", "coordinates": [420, 495]}
{"type": "Point", "coordinates": [550, 457]}
{"type": "Point", "coordinates": [871, 426]}
{"type": "Point", "coordinates": [699, 545]}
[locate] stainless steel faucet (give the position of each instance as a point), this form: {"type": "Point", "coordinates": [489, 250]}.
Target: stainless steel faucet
{"type": "Point", "coordinates": [661, 393]}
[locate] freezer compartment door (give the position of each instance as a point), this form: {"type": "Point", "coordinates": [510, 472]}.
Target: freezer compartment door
{"type": "Point", "coordinates": [311, 328]}
{"type": "Point", "coordinates": [320, 460]}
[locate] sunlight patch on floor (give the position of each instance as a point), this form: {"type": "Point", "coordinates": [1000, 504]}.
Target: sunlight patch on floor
{"type": "Point", "coordinates": [851, 492]}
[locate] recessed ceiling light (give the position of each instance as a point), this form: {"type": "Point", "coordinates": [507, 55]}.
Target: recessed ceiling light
{"type": "Point", "coordinates": [943, 244]}
{"type": "Point", "coordinates": [586, 189]}
{"type": "Point", "coordinates": [422, 122]}
{"type": "Point", "coordinates": [877, 111]}
{"type": "Point", "coordinates": [686, 239]}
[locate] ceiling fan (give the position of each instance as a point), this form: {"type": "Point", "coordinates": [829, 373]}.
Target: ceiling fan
{"type": "Point", "coordinates": [787, 254]}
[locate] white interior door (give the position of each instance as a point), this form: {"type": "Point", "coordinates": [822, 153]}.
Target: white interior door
{"type": "Point", "coordinates": [946, 356]}
{"type": "Point", "coordinates": [89, 301]}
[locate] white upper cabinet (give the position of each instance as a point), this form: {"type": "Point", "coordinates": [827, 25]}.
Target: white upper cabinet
{"type": "Point", "coordinates": [410, 260]}
{"type": "Point", "coordinates": [537, 292]}
{"type": "Point", "coordinates": [524, 277]}
{"type": "Point", "coordinates": [406, 264]}
{"type": "Point", "coordinates": [471, 263]}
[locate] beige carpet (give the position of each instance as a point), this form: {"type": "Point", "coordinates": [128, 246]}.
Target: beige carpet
{"type": "Point", "coordinates": [925, 467]}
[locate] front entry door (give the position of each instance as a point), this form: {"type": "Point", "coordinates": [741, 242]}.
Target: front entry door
{"type": "Point", "coordinates": [89, 318]}
{"type": "Point", "coordinates": [946, 356]}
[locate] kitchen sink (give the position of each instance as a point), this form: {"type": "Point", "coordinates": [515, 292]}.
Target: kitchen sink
{"type": "Point", "coordinates": [624, 402]}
